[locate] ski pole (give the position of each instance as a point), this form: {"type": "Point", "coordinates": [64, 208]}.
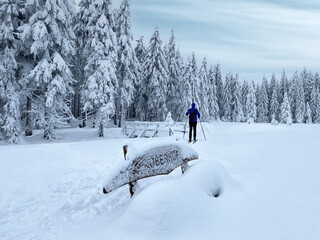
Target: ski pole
{"type": "Point", "coordinates": [202, 130]}
{"type": "Point", "coordinates": [185, 128]}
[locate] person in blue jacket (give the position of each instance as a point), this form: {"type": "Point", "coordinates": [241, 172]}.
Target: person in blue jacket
{"type": "Point", "coordinates": [193, 114]}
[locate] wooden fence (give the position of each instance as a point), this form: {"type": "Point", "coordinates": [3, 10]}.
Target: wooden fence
{"type": "Point", "coordinates": [152, 129]}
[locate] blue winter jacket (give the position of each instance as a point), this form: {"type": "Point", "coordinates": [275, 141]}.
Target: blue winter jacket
{"type": "Point", "coordinates": [191, 110]}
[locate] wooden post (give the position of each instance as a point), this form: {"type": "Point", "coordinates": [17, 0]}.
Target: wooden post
{"type": "Point", "coordinates": [131, 184]}
{"type": "Point", "coordinates": [132, 188]}
{"type": "Point", "coordinates": [125, 151]}
{"type": "Point", "coordinates": [184, 167]}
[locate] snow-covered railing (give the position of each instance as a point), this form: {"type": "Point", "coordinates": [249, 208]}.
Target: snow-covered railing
{"type": "Point", "coordinates": [149, 161]}
{"type": "Point", "coordinates": [152, 129]}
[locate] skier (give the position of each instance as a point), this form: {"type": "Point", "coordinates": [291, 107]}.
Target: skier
{"type": "Point", "coordinates": [193, 113]}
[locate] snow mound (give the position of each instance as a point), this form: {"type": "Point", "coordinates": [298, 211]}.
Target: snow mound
{"type": "Point", "coordinates": [165, 209]}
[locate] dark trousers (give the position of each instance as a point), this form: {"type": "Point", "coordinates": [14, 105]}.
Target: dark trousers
{"type": "Point", "coordinates": [192, 126]}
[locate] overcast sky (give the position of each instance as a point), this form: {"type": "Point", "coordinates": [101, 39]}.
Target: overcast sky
{"type": "Point", "coordinates": [250, 37]}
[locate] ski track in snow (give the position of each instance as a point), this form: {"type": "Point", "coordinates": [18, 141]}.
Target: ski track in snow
{"type": "Point", "coordinates": [54, 190]}
{"type": "Point", "coordinates": [53, 184]}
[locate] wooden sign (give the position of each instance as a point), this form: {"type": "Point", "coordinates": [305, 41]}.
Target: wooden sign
{"type": "Point", "coordinates": [148, 162]}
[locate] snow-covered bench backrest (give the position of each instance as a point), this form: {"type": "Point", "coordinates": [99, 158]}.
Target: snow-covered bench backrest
{"type": "Point", "coordinates": [151, 160]}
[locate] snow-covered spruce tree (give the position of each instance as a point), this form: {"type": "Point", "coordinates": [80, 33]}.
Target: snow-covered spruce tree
{"type": "Point", "coordinates": [191, 75]}
{"type": "Point", "coordinates": [308, 114]}
{"type": "Point", "coordinates": [154, 85]}
{"type": "Point", "coordinates": [9, 98]}
{"type": "Point", "coordinates": [273, 84]}
{"type": "Point", "coordinates": [141, 53]}
{"type": "Point", "coordinates": [285, 116]}
{"type": "Point", "coordinates": [1, 124]}
{"type": "Point", "coordinates": [308, 83]}
{"type": "Point", "coordinates": [219, 86]}
{"type": "Point", "coordinates": [56, 79]}
{"type": "Point", "coordinates": [233, 81]}
{"type": "Point", "coordinates": [227, 99]}
{"type": "Point", "coordinates": [263, 103]}
{"type": "Point", "coordinates": [300, 102]}
{"type": "Point", "coordinates": [165, 50]}
{"type": "Point", "coordinates": [51, 36]}
{"type": "Point", "coordinates": [273, 120]}
{"type": "Point", "coordinates": [9, 11]}
{"type": "Point", "coordinates": [316, 80]}
{"type": "Point", "coordinates": [274, 105]}
{"type": "Point", "coordinates": [174, 70]}
{"type": "Point", "coordinates": [183, 90]}
{"type": "Point", "coordinates": [284, 86]}
{"type": "Point", "coordinates": [188, 74]}
{"type": "Point", "coordinates": [237, 112]}
{"type": "Point", "coordinates": [80, 25]}
{"type": "Point", "coordinates": [316, 113]}
{"type": "Point", "coordinates": [244, 94]}
{"type": "Point", "coordinates": [251, 105]}
{"type": "Point", "coordinates": [11, 123]}
{"type": "Point", "coordinates": [204, 91]}
{"type": "Point", "coordinates": [127, 64]}
{"type": "Point", "coordinates": [292, 93]}
{"type": "Point", "coordinates": [100, 71]}
{"type": "Point", "coordinates": [30, 93]}
{"type": "Point", "coordinates": [266, 86]}
{"type": "Point", "coordinates": [257, 92]}
{"type": "Point", "coordinates": [313, 101]}
{"type": "Point", "coordinates": [169, 118]}
{"type": "Point", "coordinates": [212, 96]}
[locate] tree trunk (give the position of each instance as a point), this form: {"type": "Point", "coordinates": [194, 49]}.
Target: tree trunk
{"type": "Point", "coordinates": [48, 133]}
{"type": "Point", "coordinates": [28, 130]}
{"type": "Point", "coordinates": [76, 102]}
{"type": "Point", "coordinates": [115, 114]}
{"type": "Point", "coordinates": [84, 121]}
{"type": "Point", "coordinates": [121, 117]}
{"type": "Point", "coordinates": [101, 129]}
{"type": "Point", "coordinates": [120, 120]}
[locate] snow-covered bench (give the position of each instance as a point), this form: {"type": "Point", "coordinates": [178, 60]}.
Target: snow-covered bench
{"type": "Point", "coordinates": [151, 160]}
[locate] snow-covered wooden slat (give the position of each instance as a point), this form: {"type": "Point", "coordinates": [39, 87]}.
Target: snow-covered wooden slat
{"type": "Point", "coordinates": [171, 132]}
{"type": "Point", "coordinates": [125, 129]}
{"type": "Point", "coordinates": [152, 160]}
{"type": "Point", "coordinates": [131, 135]}
{"type": "Point", "coordinates": [143, 132]}
{"type": "Point", "coordinates": [156, 131]}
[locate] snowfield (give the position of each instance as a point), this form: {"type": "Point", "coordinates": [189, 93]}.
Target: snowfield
{"type": "Point", "coordinates": [267, 178]}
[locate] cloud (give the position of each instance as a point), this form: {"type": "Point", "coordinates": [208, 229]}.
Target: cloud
{"type": "Point", "coordinates": [250, 37]}
{"type": "Point", "coordinates": [269, 35]}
